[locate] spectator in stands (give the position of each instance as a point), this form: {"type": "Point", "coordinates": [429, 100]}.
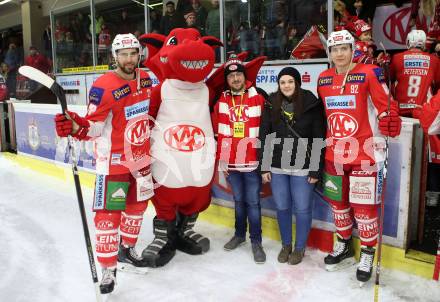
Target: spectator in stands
{"type": "Point", "coordinates": [4, 95]}
{"type": "Point", "coordinates": [302, 14]}
{"type": "Point", "coordinates": [362, 9]}
{"type": "Point", "coordinates": [212, 26]}
{"type": "Point", "coordinates": [201, 15]}
{"type": "Point", "coordinates": [431, 9]}
{"type": "Point", "coordinates": [249, 40]}
{"type": "Point", "coordinates": [171, 19]}
{"type": "Point", "coordinates": [4, 69]}
{"type": "Point", "coordinates": [155, 18]}
{"type": "Point", "coordinates": [37, 60]}
{"type": "Point", "coordinates": [12, 59]}
{"type": "Point", "coordinates": [213, 20]}
{"type": "Point", "coordinates": [190, 20]}
{"type": "Point", "coordinates": [125, 25]}
{"type": "Point", "coordinates": [47, 41]}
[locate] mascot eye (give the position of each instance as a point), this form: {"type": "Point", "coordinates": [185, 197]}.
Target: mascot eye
{"type": "Point", "coordinates": [172, 41]}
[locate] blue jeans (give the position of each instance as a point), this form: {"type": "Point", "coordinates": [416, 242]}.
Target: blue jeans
{"type": "Point", "coordinates": [246, 188]}
{"type": "Point", "coordinates": [293, 195]}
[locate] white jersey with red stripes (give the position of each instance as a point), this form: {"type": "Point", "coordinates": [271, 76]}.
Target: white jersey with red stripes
{"type": "Point", "coordinates": [119, 124]}
{"type": "Point", "coordinates": [352, 124]}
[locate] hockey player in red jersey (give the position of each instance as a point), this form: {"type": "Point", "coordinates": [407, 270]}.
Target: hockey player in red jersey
{"type": "Point", "coordinates": [117, 122]}
{"type": "Point", "coordinates": [417, 76]}
{"type": "Point", "coordinates": [359, 114]}
{"type": "Point", "coordinates": [415, 72]}
{"type": "Point", "coordinates": [429, 115]}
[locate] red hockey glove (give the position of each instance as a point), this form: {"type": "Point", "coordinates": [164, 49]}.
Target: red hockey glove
{"type": "Point", "coordinates": [74, 125]}
{"type": "Point", "coordinates": [390, 124]}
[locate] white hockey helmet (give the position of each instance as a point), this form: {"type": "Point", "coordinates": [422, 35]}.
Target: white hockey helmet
{"type": "Point", "coordinates": [416, 39]}
{"type": "Point", "coordinates": [340, 37]}
{"type": "Point", "coordinates": [123, 41]}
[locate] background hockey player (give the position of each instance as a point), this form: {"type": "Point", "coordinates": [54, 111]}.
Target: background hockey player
{"type": "Point", "coordinates": [429, 115]}
{"type": "Point", "coordinates": [356, 105]}
{"type": "Point", "coordinates": [417, 75]}
{"type": "Point", "coordinates": [117, 122]}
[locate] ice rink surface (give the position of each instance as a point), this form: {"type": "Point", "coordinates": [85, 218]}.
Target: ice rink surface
{"type": "Point", "coordinates": [44, 258]}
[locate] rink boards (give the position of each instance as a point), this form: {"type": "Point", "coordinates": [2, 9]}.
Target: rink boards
{"type": "Point", "coordinates": [36, 137]}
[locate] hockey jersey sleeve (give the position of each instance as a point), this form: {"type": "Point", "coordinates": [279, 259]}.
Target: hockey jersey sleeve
{"type": "Point", "coordinates": [379, 91]}
{"type": "Point", "coordinates": [98, 109]}
{"type": "Point", "coordinates": [430, 116]}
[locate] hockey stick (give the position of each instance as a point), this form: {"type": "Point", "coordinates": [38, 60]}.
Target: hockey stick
{"type": "Point", "coordinates": [435, 276]}
{"type": "Point", "coordinates": [44, 79]}
{"type": "Point", "coordinates": [382, 204]}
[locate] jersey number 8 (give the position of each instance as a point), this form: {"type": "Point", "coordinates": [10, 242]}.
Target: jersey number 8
{"type": "Point", "coordinates": [414, 85]}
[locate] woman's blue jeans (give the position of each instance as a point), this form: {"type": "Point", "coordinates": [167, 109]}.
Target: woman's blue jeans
{"type": "Point", "coordinates": [293, 195]}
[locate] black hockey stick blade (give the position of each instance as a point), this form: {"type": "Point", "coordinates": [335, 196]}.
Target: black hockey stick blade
{"type": "Point", "coordinates": [45, 80]}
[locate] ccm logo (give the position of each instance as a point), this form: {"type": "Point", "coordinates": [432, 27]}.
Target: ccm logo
{"type": "Point", "coordinates": [185, 138]}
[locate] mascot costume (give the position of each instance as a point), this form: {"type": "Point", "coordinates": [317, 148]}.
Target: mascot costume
{"type": "Point", "coordinates": [182, 139]}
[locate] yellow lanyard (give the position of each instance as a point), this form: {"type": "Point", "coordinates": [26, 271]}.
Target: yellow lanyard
{"type": "Point", "coordinates": [240, 110]}
{"type": "Point", "coordinates": [289, 115]}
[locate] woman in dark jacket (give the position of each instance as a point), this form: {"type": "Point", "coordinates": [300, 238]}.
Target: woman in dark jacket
{"type": "Point", "coordinates": [294, 126]}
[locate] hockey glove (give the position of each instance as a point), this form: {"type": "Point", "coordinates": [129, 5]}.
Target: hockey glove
{"type": "Point", "coordinates": [72, 124]}
{"type": "Point", "coordinates": [390, 124]}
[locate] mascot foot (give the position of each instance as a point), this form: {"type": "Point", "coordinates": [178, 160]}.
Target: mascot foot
{"type": "Point", "coordinates": [189, 241]}
{"type": "Point", "coordinates": [161, 250]}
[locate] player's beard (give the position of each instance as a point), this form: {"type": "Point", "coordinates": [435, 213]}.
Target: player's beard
{"type": "Point", "coordinates": [127, 70]}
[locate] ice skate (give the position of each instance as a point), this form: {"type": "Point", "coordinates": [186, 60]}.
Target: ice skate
{"type": "Point", "coordinates": [341, 257]}
{"type": "Point", "coordinates": [365, 267]}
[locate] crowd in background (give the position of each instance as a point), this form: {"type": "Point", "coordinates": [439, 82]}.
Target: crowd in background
{"type": "Point", "coordinates": [272, 28]}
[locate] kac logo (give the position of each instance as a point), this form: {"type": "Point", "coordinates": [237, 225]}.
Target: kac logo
{"type": "Point", "coordinates": [137, 132]}
{"type": "Point", "coordinates": [342, 125]}
{"type": "Point", "coordinates": [185, 138]}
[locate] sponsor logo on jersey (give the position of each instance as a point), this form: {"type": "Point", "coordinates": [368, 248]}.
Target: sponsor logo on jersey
{"type": "Point", "coordinates": [137, 132]}
{"type": "Point", "coordinates": [356, 78]}
{"type": "Point", "coordinates": [187, 138]}
{"type": "Point", "coordinates": [416, 63]}
{"type": "Point", "coordinates": [136, 109]}
{"type": "Point", "coordinates": [333, 187]}
{"type": "Point", "coordinates": [341, 125]}
{"type": "Point", "coordinates": [121, 92]}
{"type": "Point", "coordinates": [105, 225]}
{"type": "Point", "coordinates": [95, 95]}
{"type": "Point", "coordinates": [379, 74]}
{"type": "Point", "coordinates": [362, 190]}
{"type": "Point", "coordinates": [325, 81]}
{"type": "Point", "coordinates": [99, 192]}
{"type": "Point", "coordinates": [340, 102]}
{"type": "Point", "coordinates": [146, 83]}
{"type": "Point", "coordinates": [115, 159]}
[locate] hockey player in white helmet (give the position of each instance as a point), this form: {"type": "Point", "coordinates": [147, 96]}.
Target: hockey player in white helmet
{"type": "Point", "coordinates": [117, 121]}
{"type": "Point", "coordinates": [416, 77]}
{"type": "Point", "coordinates": [358, 115]}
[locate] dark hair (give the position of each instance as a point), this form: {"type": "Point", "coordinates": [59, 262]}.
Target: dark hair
{"type": "Point", "coordinates": [170, 3]}
{"type": "Point", "coordinates": [278, 97]}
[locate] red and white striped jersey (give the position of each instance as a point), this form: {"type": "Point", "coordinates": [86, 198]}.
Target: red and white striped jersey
{"type": "Point", "coordinates": [416, 73]}
{"type": "Point", "coordinates": [119, 123]}
{"type": "Point", "coordinates": [238, 122]}
{"type": "Point", "coordinates": [352, 111]}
